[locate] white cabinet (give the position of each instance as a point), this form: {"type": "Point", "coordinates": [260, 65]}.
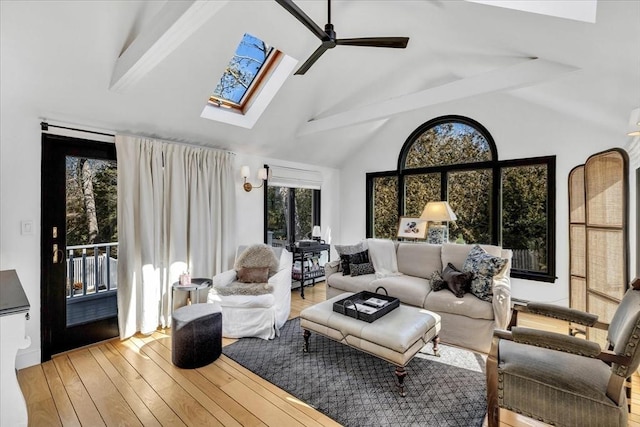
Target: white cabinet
{"type": "Point", "coordinates": [14, 311]}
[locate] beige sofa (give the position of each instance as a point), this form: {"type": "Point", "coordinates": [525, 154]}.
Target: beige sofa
{"type": "Point", "coordinates": [467, 322]}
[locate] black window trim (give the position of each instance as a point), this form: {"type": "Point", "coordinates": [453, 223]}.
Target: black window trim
{"type": "Point", "coordinates": [496, 207]}
{"type": "Point", "coordinates": [315, 210]}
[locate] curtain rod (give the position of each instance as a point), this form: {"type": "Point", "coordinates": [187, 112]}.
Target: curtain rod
{"type": "Point", "coordinates": [45, 126]}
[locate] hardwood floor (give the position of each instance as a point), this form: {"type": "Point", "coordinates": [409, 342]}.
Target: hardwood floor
{"type": "Point", "coordinates": [134, 383]}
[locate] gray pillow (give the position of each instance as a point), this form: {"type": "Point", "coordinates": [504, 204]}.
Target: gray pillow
{"type": "Point", "coordinates": [483, 267]}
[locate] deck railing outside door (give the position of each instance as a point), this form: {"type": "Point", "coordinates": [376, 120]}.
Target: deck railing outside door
{"type": "Point", "coordinates": [91, 269]}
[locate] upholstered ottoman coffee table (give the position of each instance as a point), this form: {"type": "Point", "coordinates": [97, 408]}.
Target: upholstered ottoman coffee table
{"type": "Point", "coordinates": [395, 337]}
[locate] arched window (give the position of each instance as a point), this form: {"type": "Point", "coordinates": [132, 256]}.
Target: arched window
{"type": "Point", "coordinates": [507, 203]}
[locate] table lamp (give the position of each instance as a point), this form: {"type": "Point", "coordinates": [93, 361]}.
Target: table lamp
{"type": "Point", "coordinates": [438, 213]}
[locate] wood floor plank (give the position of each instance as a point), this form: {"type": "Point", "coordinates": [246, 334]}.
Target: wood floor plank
{"type": "Point", "coordinates": [63, 404]}
{"type": "Point", "coordinates": [83, 404]}
{"type": "Point", "coordinates": [41, 408]}
{"type": "Point", "coordinates": [270, 414]}
{"type": "Point", "coordinates": [113, 408]}
{"type": "Point", "coordinates": [280, 398]}
{"type": "Point", "coordinates": [34, 384]}
{"type": "Point", "coordinates": [210, 385]}
{"type": "Point", "coordinates": [158, 407]}
{"type": "Point", "coordinates": [43, 414]}
{"type": "Point", "coordinates": [180, 401]}
{"type": "Point", "coordinates": [143, 413]}
{"type": "Point", "coordinates": [184, 378]}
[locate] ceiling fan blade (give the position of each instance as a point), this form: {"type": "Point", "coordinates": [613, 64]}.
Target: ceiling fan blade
{"type": "Point", "coordinates": [302, 17]}
{"type": "Point", "coordinates": [395, 42]}
{"type": "Point", "coordinates": [312, 59]}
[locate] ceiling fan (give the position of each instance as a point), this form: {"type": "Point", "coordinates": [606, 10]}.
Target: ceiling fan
{"type": "Point", "coordinates": [328, 36]}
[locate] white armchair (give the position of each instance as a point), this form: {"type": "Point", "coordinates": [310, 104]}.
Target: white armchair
{"type": "Point", "coordinates": [260, 315]}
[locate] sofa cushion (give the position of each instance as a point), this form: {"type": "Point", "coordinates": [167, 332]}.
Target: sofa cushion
{"type": "Point", "coordinates": [351, 283]}
{"type": "Point", "coordinates": [419, 259]}
{"type": "Point", "coordinates": [483, 266]}
{"type": "Point", "coordinates": [468, 305]}
{"type": "Point", "coordinates": [408, 289]}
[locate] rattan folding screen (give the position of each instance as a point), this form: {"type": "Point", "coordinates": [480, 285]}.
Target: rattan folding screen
{"type": "Point", "coordinates": [598, 240]}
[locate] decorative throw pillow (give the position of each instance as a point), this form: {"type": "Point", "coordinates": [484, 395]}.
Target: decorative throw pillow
{"type": "Point", "coordinates": [258, 255]}
{"type": "Point", "coordinates": [348, 259]}
{"type": "Point", "coordinates": [483, 267]}
{"type": "Point", "coordinates": [437, 282]}
{"type": "Point", "coordinates": [361, 268]}
{"type": "Point", "coordinates": [458, 282]}
{"type": "Point", "coordinates": [253, 274]}
{"type": "Point", "coordinates": [348, 250]}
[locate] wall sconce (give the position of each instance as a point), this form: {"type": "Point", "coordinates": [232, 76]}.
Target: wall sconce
{"type": "Point", "coordinates": [438, 212]}
{"type": "Point", "coordinates": [245, 172]}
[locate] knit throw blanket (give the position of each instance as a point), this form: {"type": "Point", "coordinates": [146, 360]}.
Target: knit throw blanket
{"type": "Point", "coordinates": [382, 253]}
{"type": "Point", "coordinates": [238, 288]}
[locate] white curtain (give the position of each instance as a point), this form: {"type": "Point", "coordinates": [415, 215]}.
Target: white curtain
{"type": "Point", "coordinates": [176, 212]}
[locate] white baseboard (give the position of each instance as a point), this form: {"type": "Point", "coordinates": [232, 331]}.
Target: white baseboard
{"type": "Point", "coordinates": [24, 359]}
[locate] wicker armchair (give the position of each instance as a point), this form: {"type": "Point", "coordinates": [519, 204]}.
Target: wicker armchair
{"type": "Point", "coordinates": [565, 380]}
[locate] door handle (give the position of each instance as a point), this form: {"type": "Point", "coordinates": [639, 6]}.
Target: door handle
{"type": "Point", "coordinates": [58, 254]}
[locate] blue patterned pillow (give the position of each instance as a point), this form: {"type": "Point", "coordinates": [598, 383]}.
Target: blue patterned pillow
{"type": "Point", "coordinates": [362, 268]}
{"type": "Point", "coordinates": [484, 267]}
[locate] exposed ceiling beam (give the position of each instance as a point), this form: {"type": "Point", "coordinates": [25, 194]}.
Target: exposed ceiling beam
{"type": "Point", "coordinates": [583, 10]}
{"type": "Point", "coordinates": [515, 76]}
{"type": "Point", "coordinates": [175, 22]}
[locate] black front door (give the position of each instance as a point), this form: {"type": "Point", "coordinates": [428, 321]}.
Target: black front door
{"type": "Point", "coordinates": [79, 246]}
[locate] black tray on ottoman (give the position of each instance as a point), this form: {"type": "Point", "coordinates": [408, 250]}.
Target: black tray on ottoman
{"type": "Point", "coordinates": [370, 306]}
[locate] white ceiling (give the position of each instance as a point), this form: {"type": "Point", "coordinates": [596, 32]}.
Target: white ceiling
{"type": "Point", "coordinates": [58, 60]}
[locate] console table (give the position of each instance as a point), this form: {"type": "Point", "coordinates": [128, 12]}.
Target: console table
{"type": "Point", "coordinates": [304, 254]}
{"type": "Point", "coordinates": [14, 313]}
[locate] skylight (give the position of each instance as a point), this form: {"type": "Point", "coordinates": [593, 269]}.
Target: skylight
{"type": "Point", "coordinates": [249, 83]}
{"type": "Point", "coordinates": [242, 75]}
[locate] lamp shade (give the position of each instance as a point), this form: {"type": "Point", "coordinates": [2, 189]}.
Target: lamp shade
{"type": "Point", "coordinates": [245, 171]}
{"type": "Point", "coordinates": [438, 212]}
{"type": "Point", "coordinates": [262, 174]}
{"type": "Point", "coordinates": [316, 231]}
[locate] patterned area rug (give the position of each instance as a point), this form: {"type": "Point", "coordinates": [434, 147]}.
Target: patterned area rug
{"type": "Point", "coordinates": [357, 389]}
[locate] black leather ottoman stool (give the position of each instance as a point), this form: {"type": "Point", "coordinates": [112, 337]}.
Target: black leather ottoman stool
{"type": "Point", "coordinates": [196, 335]}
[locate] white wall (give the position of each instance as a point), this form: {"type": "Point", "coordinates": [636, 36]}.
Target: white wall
{"type": "Point", "coordinates": [520, 130]}
{"type": "Point", "coordinates": [20, 200]}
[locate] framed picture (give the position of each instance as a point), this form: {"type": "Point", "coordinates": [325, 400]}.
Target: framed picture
{"type": "Point", "coordinates": [412, 228]}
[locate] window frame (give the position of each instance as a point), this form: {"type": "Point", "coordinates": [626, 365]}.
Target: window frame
{"type": "Point", "coordinates": [495, 166]}
{"type": "Point", "coordinates": [267, 67]}
{"type": "Point", "coordinates": [315, 212]}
